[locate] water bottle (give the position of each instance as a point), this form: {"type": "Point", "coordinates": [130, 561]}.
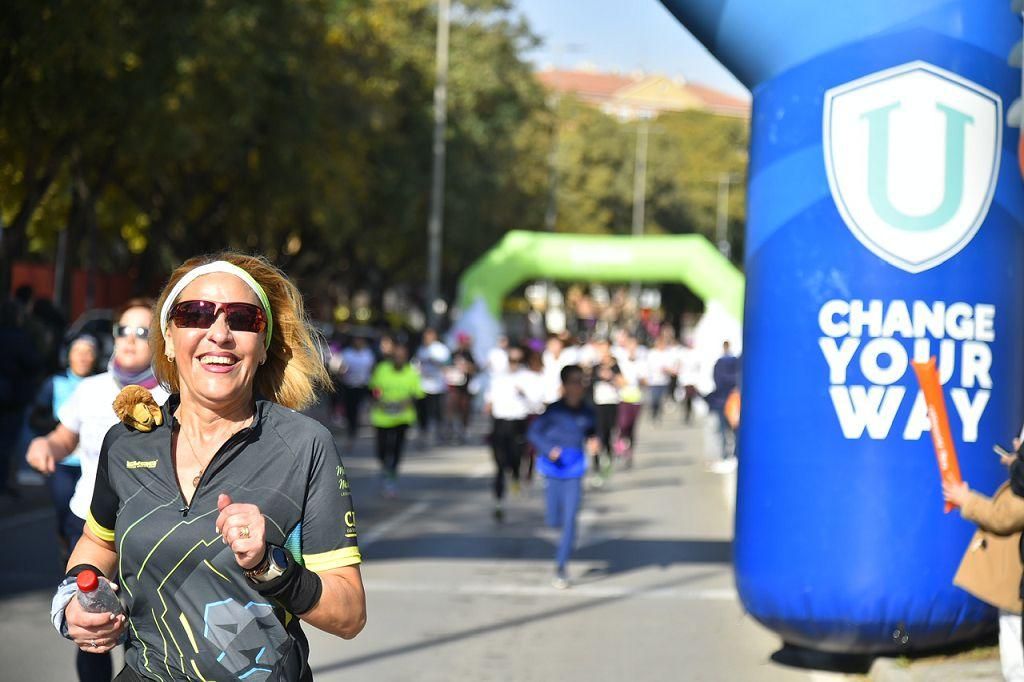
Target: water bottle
{"type": "Point", "coordinates": [95, 595]}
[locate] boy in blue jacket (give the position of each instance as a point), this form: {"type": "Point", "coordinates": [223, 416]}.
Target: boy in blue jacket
{"type": "Point", "coordinates": [563, 436]}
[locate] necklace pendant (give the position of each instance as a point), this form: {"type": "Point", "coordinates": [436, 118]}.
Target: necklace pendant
{"type": "Point", "coordinates": [195, 481]}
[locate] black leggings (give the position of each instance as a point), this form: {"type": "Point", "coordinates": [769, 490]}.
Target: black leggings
{"type": "Point", "coordinates": [390, 442]}
{"type": "Point", "coordinates": [508, 441]}
{"type": "Point", "coordinates": [606, 416]}
{"type": "Point", "coordinates": [429, 411]}
{"type": "Point", "coordinates": [354, 397]}
{"type": "Point", "coordinates": [94, 667]}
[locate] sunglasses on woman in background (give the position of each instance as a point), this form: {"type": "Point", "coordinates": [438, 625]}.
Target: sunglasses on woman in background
{"type": "Point", "coordinates": [241, 317]}
{"type": "Point", "coordinates": [123, 330]}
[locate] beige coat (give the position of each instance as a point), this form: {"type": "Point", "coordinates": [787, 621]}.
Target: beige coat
{"type": "Point", "coordinates": [991, 567]}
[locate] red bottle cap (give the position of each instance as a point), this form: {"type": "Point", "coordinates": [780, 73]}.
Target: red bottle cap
{"type": "Point", "coordinates": [87, 581]}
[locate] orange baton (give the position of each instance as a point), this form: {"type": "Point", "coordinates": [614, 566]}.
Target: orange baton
{"type": "Point", "coordinates": [942, 437]}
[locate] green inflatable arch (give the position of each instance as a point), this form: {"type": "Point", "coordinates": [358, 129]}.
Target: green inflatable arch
{"type": "Point", "coordinates": [520, 256]}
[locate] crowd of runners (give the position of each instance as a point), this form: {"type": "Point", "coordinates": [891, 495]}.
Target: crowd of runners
{"type": "Point", "coordinates": [429, 394]}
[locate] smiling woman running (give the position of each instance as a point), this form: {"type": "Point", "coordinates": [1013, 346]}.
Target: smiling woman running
{"type": "Point", "coordinates": [233, 521]}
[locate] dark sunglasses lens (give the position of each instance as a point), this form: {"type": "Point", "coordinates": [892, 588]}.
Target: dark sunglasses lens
{"type": "Point", "coordinates": [194, 314]}
{"type": "Point", "coordinates": [122, 330]}
{"type": "Point", "coordinates": [243, 317]}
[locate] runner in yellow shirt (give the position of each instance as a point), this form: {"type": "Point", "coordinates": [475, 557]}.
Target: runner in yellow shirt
{"type": "Point", "coordinates": [395, 385]}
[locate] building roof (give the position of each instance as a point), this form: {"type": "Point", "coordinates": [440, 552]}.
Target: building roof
{"type": "Point", "coordinates": [625, 94]}
{"type": "Point", "coordinates": [717, 100]}
{"type": "Point", "coordinates": [584, 82]}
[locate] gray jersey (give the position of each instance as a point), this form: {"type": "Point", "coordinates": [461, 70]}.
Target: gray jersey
{"type": "Point", "coordinates": [193, 614]}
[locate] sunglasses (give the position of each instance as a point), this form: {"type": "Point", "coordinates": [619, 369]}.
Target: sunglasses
{"type": "Point", "coordinates": [123, 330]}
{"type": "Point", "coordinates": [241, 317]}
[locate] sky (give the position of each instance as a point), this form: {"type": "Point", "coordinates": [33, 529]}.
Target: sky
{"type": "Point", "coordinates": [623, 36]}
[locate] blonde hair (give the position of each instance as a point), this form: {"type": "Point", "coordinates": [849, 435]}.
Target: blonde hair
{"type": "Point", "coordinates": [294, 370]}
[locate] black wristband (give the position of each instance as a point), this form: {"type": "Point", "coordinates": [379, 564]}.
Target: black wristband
{"type": "Point", "coordinates": [298, 589]}
{"type": "Point", "coordinates": [75, 570]}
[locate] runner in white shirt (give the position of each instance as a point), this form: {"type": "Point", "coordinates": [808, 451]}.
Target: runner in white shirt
{"type": "Point", "coordinates": [633, 370]}
{"type": "Point", "coordinates": [357, 366]}
{"type": "Point", "coordinates": [661, 365]}
{"type": "Point", "coordinates": [512, 397]}
{"type": "Point", "coordinates": [556, 356]}
{"type": "Point", "coordinates": [606, 380]}
{"type": "Point", "coordinates": [689, 375]}
{"type": "Point", "coordinates": [497, 358]}
{"type": "Point", "coordinates": [431, 359]}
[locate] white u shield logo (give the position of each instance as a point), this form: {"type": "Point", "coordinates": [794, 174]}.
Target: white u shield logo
{"type": "Point", "coordinates": [878, 170]}
{"type": "Point", "coordinates": [912, 157]}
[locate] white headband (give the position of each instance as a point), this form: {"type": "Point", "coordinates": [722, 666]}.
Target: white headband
{"type": "Point", "coordinates": [216, 266]}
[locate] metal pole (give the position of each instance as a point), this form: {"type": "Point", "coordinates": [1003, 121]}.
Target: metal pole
{"type": "Point", "coordinates": [722, 228]}
{"type": "Point", "coordinates": [640, 187]}
{"type": "Point", "coordinates": [434, 224]}
{"type": "Point", "coordinates": [551, 214]}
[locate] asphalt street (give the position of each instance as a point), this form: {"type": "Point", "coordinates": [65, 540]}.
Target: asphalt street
{"type": "Point", "coordinates": [454, 595]}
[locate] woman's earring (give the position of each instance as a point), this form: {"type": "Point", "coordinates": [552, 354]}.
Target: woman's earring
{"type": "Point", "coordinates": [170, 358]}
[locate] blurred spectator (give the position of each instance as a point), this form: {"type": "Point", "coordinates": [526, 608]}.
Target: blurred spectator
{"type": "Point", "coordinates": [54, 392]}
{"type": "Point", "coordinates": [51, 324]}
{"type": "Point", "coordinates": [459, 376]}
{"type": "Point", "coordinates": [726, 374]}
{"type": "Point", "coordinates": [19, 366]}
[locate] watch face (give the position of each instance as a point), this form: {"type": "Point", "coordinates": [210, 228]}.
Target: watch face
{"type": "Point", "coordinates": [279, 556]}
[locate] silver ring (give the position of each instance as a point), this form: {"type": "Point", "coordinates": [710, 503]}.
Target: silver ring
{"type": "Point", "coordinates": [92, 644]}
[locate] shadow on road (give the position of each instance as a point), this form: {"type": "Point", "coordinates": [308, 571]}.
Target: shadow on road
{"type": "Point", "coordinates": [521, 621]}
{"type": "Point", "coordinates": [617, 555]}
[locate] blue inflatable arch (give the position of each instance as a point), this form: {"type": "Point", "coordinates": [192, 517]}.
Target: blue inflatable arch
{"type": "Point", "coordinates": [884, 224]}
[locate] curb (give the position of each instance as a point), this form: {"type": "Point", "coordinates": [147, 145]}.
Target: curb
{"type": "Point", "coordinates": [898, 670]}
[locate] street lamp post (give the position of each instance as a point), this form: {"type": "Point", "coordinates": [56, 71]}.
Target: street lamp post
{"type": "Point", "coordinates": [435, 222]}
{"type": "Point", "coordinates": [725, 181]}
{"type": "Point", "coordinates": [640, 187]}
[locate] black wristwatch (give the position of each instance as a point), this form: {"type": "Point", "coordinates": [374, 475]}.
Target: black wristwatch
{"type": "Point", "coordinates": [274, 564]}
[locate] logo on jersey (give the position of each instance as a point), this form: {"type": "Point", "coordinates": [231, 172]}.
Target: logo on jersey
{"type": "Point", "coordinates": [912, 156]}
{"type": "Point", "coordinates": [141, 463]}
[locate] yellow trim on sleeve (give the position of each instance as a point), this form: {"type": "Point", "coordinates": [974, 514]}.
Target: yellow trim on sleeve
{"type": "Point", "coordinates": [97, 528]}
{"type": "Point", "coordinates": [346, 556]}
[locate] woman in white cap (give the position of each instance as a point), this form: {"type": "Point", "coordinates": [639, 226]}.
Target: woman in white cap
{"type": "Point", "coordinates": [231, 521]}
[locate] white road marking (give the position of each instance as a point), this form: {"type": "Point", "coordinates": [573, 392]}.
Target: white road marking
{"type": "Point", "coordinates": [382, 529]}
{"type": "Point", "coordinates": [586, 591]}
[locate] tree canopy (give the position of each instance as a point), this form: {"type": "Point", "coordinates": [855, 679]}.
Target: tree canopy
{"type": "Point", "coordinates": [145, 133]}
